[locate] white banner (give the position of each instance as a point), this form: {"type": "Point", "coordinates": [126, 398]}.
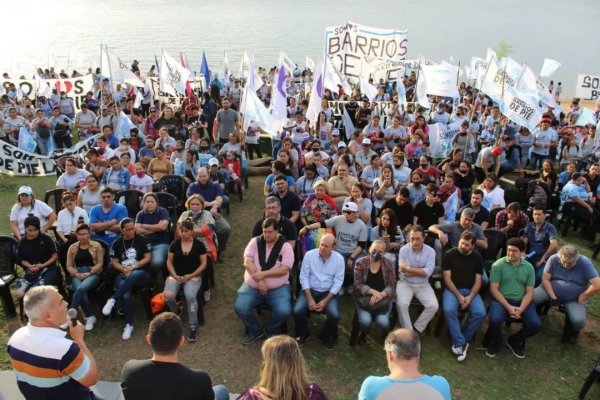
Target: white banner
{"type": "Point", "coordinates": [521, 109]}
{"type": "Point", "coordinates": [440, 80]}
{"type": "Point", "coordinates": [76, 88]}
{"type": "Point", "coordinates": [350, 43]}
{"type": "Point", "coordinates": [587, 87]}
{"type": "Point", "coordinates": [14, 161]}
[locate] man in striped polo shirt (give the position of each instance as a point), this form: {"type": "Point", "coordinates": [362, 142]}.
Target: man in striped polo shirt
{"type": "Point", "coordinates": [47, 364]}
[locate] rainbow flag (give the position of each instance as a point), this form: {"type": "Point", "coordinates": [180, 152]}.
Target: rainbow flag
{"type": "Point", "coordinates": [312, 238]}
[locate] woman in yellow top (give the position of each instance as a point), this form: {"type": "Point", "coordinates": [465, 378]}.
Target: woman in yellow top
{"type": "Point", "coordinates": [160, 165]}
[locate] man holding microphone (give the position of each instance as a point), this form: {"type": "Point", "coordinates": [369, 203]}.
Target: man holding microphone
{"type": "Point", "coordinates": [47, 364]}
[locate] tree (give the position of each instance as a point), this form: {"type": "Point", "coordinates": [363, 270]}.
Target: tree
{"type": "Point", "coordinates": [503, 49]}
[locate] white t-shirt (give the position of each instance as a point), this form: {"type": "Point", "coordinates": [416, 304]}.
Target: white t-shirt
{"type": "Point", "coordinates": [39, 209]}
{"type": "Point", "coordinates": [140, 184]}
{"type": "Point", "coordinates": [70, 182]}
{"type": "Point", "coordinates": [541, 138]}
{"type": "Point", "coordinates": [67, 222]}
{"type": "Point", "coordinates": [496, 196]}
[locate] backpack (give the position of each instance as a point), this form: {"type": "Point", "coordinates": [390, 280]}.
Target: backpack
{"type": "Point", "coordinates": [538, 193]}
{"type": "Point", "coordinates": [43, 131]}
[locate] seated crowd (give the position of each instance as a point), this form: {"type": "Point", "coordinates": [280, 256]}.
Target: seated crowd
{"type": "Point", "coordinates": [374, 217]}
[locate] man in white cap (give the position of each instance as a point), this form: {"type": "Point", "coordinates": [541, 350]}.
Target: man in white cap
{"type": "Point", "coordinates": [363, 156]}
{"type": "Point", "coordinates": [338, 151]}
{"type": "Point", "coordinates": [220, 177]}
{"type": "Point", "coordinates": [351, 238]}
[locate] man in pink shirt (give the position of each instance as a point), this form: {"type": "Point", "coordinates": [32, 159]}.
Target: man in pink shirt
{"type": "Point", "coordinates": [268, 259]}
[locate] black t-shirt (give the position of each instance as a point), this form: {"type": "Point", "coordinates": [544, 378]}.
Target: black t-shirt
{"type": "Point", "coordinates": [427, 216]}
{"type": "Point", "coordinates": [186, 263]}
{"type": "Point", "coordinates": [483, 215]}
{"type": "Point", "coordinates": [375, 280]}
{"type": "Point", "coordinates": [153, 380]}
{"type": "Point", "coordinates": [289, 203]}
{"type": "Point", "coordinates": [130, 251]}
{"type": "Point", "coordinates": [38, 250]}
{"type": "Point", "coordinates": [463, 268]}
{"type": "Point", "coordinates": [404, 212]}
{"type": "Point", "coordinates": [169, 124]}
{"type": "Point", "coordinates": [286, 228]}
{"type": "Point", "coordinates": [592, 182]}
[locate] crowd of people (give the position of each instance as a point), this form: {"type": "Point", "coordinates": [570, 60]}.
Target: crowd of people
{"type": "Point", "coordinates": [368, 213]}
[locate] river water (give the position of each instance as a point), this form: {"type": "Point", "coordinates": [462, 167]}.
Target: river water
{"type": "Point", "coordinates": [565, 30]}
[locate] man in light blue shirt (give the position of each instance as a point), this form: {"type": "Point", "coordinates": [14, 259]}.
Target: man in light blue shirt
{"type": "Point", "coordinates": [321, 278]}
{"type": "Point", "coordinates": [403, 349]}
{"type": "Point", "coordinates": [106, 216]}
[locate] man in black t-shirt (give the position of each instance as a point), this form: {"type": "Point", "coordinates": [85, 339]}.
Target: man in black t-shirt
{"type": "Point", "coordinates": [130, 256]}
{"type": "Point", "coordinates": [287, 229]}
{"type": "Point", "coordinates": [163, 377]}
{"type": "Point", "coordinates": [482, 215]}
{"type": "Point", "coordinates": [429, 211]}
{"type": "Point", "coordinates": [463, 269]}
{"type": "Point", "coordinates": [402, 209]}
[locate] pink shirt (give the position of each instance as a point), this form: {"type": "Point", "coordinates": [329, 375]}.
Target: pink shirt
{"type": "Point", "coordinates": [287, 259]}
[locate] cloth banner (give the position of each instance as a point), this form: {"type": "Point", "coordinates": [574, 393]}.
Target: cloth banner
{"type": "Point", "coordinates": [440, 138]}
{"type": "Point", "coordinates": [14, 161]}
{"type": "Point", "coordinates": [76, 88]}
{"type": "Point", "coordinates": [440, 80]}
{"type": "Point", "coordinates": [587, 87]}
{"type": "Point", "coordinates": [350, 43]}
{"type": "Point", "coordinates": [586, 117]}
{"type": "Point", "coordinates": [549, 67]}
{"type": "Point", "coordinates": [521, 109]}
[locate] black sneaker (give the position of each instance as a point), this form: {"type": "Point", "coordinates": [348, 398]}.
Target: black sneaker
{"type": "Point", "coordinates": [518, 349]}
{"type": "Point", "coordinates": [302, 339]}
{"type": "Point", "coordinates": [192, 335]}
{"type": "Point", "coordinates": [491, 351]}
{"type": "Point", "coordinates": [253, 337]}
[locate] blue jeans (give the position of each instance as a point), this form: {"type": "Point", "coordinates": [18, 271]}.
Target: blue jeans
{"type": "Point", "coordinates": [332, 311]}
{"type": "Point", "coordinates": [365, 318]}
{"type": "Point", "coordinates": [80, 293]}
{"type": "Point", "coordinates": [43, 145]}
{"type": "Point", "coordinates": [221, 392]}
{"type": "Point", "coordinates": [280, 301]}
{"type": "Point", "coordinates": [498, 314]}
{"type": "Point", "coordinates": [450, 307]}
{"type": "Point", "coordinates": [159, 257]}
{"type": "Point", "coordinates": [125, 289]}
{"type": "Point", "coordinates": [577, 313]}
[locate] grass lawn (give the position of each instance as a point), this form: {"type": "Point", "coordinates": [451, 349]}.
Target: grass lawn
{"type": "Point", "coordinates": [550, 371]}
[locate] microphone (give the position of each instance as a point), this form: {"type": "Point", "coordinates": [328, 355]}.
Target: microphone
{"type": "Point", "coordinates": [72, 314]}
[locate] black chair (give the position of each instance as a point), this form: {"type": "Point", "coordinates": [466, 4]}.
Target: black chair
{"type": "Point", "coordinates": [594, 376]}
{"type": "Point", "coordinates": [493, 214]}
{"type": "Point", "coordinates": [53, 198]}
{"type": "Point", "coordinates": [131, 199]}
{"type": "Point", "coordinates": [168, 202]}
{"type": "Point", "coordinates": [175, 185]}
{"type": "Point", "coordinates": [496, 246]}
{"type": "Point", "coordinates": [8, 272]}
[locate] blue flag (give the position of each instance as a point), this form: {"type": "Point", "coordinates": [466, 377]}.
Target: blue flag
{"type": "Point", "coordinates": [205, 71]}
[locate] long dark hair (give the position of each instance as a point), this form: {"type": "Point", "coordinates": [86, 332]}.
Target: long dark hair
{"type": "Point", "coordinates": [392, 229]}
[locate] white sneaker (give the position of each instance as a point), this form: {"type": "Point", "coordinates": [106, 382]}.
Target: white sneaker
{"type": "Point", "coordinates": [207, 295]}
{"type": "Point", "coordinates": [127, 332]}
{"type": "Point", "coordinates": [106, 310]}
{"type": "Point", "coordinates": [456, 350]}
{"type": "Point", "coordinates": [461, 357]}
{"type": "Point", "coordinates": [89, 323]}
{"type": "Point", "coordinates": [350, 289]}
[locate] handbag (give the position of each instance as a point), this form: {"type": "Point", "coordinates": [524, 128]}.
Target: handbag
{"type": "Point", "coordinates": [381, 307]}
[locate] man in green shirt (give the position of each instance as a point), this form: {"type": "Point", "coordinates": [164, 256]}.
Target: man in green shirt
{"type": "Point", "coordinates": [511, 285]}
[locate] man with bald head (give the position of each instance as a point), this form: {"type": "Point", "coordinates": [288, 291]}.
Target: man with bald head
{"type": "Point", "coordinates": [403, 349]}
{"type": "Point", "coordinates": [48, 365]}
{"type": "Point", "coordinates": [321, 277]}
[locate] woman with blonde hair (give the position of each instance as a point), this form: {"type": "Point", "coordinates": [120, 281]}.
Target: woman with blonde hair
{"type": "Point", "coordinates": [283, 374]}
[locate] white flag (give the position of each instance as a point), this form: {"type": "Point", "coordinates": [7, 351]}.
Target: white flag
{"type": "Point", "coordinates": [491, 53]}
{"type": "Point", "coordinates": [367, 89]}
{"type": "Point", "coordinates": [451, 208]}
{"type": "Point", "coordinates": [310, 64]}
{"type": "Point", "coordinates": [521, 109]}
{"type": "Point", "coordinates": [332, 78]}
{"type": "Point", "coordinates": [244, 66]}
{"type": "Point", "coordinates": [400, 88]}
{"type": "Point", "coordinates": [119, 71]}
{"type": "Point", "coordinates": [586, 117]}
{"type": "Point", "coordinates": [348, 125]}
{"type": "Point", "coordinates": [422, 93]}
{"type": "Point", "coordinates": [173, 76]}
{"type": "Point", "coordinates": [550, 66]}
{"type": "Point", "coordinates": [289, 64]}
{"type": "Point", "coordinates": [514, 70]}
{"type": "Point", "coordinates": [493, 83]}
{"type": "Point", "coordinates": [42, 88]}
{"type": "Point", "coordinates": [251, 86]}
{"type": "Point", "coordinates": [124, 127]}
{"type": "Point", "coordinates": [441, 79]}
{"type": "Point", "coordinates": [316, 95]}
{"type": "Point", "coordinates": [226, 70]}
{"type": "Point", "coordinates": [279, 96]}
{"type": "Point", "coordinates": [138, 99]}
